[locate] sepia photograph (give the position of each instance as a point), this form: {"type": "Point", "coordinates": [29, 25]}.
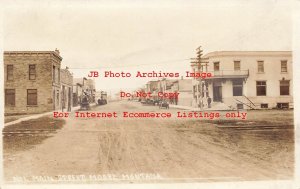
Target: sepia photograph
{"type": "Point", "coordinates": [149, 93]}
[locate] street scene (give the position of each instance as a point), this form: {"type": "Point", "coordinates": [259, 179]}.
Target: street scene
{"type": "Point", "coordinates": [176, 150]}
{"type": "Point", "coordinates": [109, 92]}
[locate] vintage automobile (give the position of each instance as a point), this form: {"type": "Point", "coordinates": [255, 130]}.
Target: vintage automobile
{"type": "Point", "coordinates": [85, 105]}
{"type": "Point", "coordinates": [102, 98]}
{"type": "Point", "coordinates": [147, 102]}
{"type": "Point", "coordinates": [102, 101]}
{"type": "Point", "coordinates": [164, 104]}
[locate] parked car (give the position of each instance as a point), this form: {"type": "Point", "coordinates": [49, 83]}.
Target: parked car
{"type": "Point", "coordinates": [147, 102]}
{"type": "Point", "coordinates": [85, 105]}
{"type": "Point", "coordinates": [156, 102]}
{"type": "Point", "coordinates": [102, 101]}
{"type": "Point", "coordinates": [164, 104]}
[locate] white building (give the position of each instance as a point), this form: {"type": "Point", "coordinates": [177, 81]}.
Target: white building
{"type": "Point", "coordinates": [246, 80]}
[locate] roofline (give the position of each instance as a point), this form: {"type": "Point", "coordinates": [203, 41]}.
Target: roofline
{"type": "Point", "coordinates": [33, 52]}
{"type": "Point", "coordinates": [247, 53]}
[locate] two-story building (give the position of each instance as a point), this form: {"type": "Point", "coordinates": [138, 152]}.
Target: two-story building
{"type": "Point", "coordinates": [32, 81]}
{"type": "Point", "coordinates": [246, 80]}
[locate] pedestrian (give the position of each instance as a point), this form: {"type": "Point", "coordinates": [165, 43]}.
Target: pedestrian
{"type": "Point", "coordinates": [209, 102]}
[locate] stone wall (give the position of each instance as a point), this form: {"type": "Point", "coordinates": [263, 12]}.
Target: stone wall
{"type": "Point", "coordinates": [21, 60]}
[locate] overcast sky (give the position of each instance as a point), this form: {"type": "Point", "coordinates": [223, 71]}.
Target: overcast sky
{"type": "Point", "coordinates": [157, 35]}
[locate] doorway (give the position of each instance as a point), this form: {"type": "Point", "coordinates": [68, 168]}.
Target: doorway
{"type": "Point", "coordinates": [217, 92]}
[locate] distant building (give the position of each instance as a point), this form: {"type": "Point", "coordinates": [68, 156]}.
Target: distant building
{"type": "Point", "coordinates": [153, 88]}
{"type": "Point", "coordinates": [89, 88]}
{"type": "Point", "coordinates": [185, 89]}
{"type": "Point", "coordinates": [83, 86]}
{"type": "Point", "coordinates": [246, 80]}
{"type": "Point", "coordinates": [77, 93]}
{"type": "Point", "coordinates": [66, 89]}
{"type": "Point", "coordinates": [181, 86]}
{"type": "Point", "coordinates": [32, 81]}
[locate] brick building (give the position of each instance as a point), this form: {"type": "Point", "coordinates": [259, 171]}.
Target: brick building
{"type": "Point", "coordinates": [32, 81]}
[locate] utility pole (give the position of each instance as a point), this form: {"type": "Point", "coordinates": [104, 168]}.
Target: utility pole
{"type": "Point", "coordinates": [200, 62]}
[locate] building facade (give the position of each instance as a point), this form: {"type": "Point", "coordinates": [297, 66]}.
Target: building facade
{"type": "Point", "coordinates": [90, 89]}
{"type": "Point", "coordinates": [77, 93]}
{"type": "Point", "coordinates": [81, 87]}
{"type": "Point", "coordinates": [184, 88]}
{"type": "Point", "coordinates": [32, 81]}
{"type": "Point", "coordinates": [246, 80]}
{"type": "Point", "coordinates": [66, 89]}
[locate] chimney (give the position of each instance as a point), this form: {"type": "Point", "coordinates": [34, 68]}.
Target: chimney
{"type": "Point", "coordinates": [56, 50]}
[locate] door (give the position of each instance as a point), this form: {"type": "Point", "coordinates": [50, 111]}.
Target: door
{"type": "Point", "coordinates": [217, 93]}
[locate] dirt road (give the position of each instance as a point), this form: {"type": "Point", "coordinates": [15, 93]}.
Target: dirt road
{"type": "Point", "coordinates": [174, 149]}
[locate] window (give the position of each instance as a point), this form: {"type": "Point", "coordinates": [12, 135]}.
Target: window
{"type": "Point", "coordinates": [32, 72]}
{"type": "Point", "coordinates": [63, 96]}
{"type": "Point", "coordinates": [10, 72]}
{"type": "Point", "coordinates": [284, 87]}
{"type": "Point", "coordinates": [10, 95]}
{"type": "Point", "coordinates": [53, 74]}
{"type": "Point", "coordinates": [261, 88]}
{"type": "Point", "coordinates": [260, 66]}
{"type": "Point", "coordinates": [283, 66]}
{"type": "Point", "coordinates": [216, 66]}
{"type": "Point", "coordinates": [237, 87]}
{"type": "Point", "coordinates": [264, 106]}
{"type": "Point", "coordinates": [282, 105]}
{"type": "Point", "coordinates": [31, 96]}
{"type": "Point", "coordinates": [57, 97]}
{"type": "Point", "coordinates": [58, 73]}
{"type": "Point", "coordinates": [240, 106]}
{"type": "Point", "coordinates": [237, 65]}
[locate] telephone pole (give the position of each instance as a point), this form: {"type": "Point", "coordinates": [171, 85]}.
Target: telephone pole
{"type": "Point", "coordinates": [199, 62]}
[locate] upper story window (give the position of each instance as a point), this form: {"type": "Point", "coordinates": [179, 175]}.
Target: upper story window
{"type": "Point", "coordinates": [58, 72]}
{"type": "Point", "coordinates": [237, 65]}
{"type": "Point", "coordinates": [53, 74]}
{"type": "Point", "coordinates": [260, 66]}
{"type": "Point", "coordinates": [216, 66]}
{"type": "Point", "coordinates": [10, 72]}
{"type": "Point", "coordinates": [32, 72]}
{"type": "Point", "coordinates": [283, 66]}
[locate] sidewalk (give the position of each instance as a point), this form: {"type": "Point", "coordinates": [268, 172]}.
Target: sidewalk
{"type": "Point", "coordinates": [35, 116]}
{"type": "Point", "coordinates": [184, 107]}
{"type": "Point", "coordinates": [189, 108]}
